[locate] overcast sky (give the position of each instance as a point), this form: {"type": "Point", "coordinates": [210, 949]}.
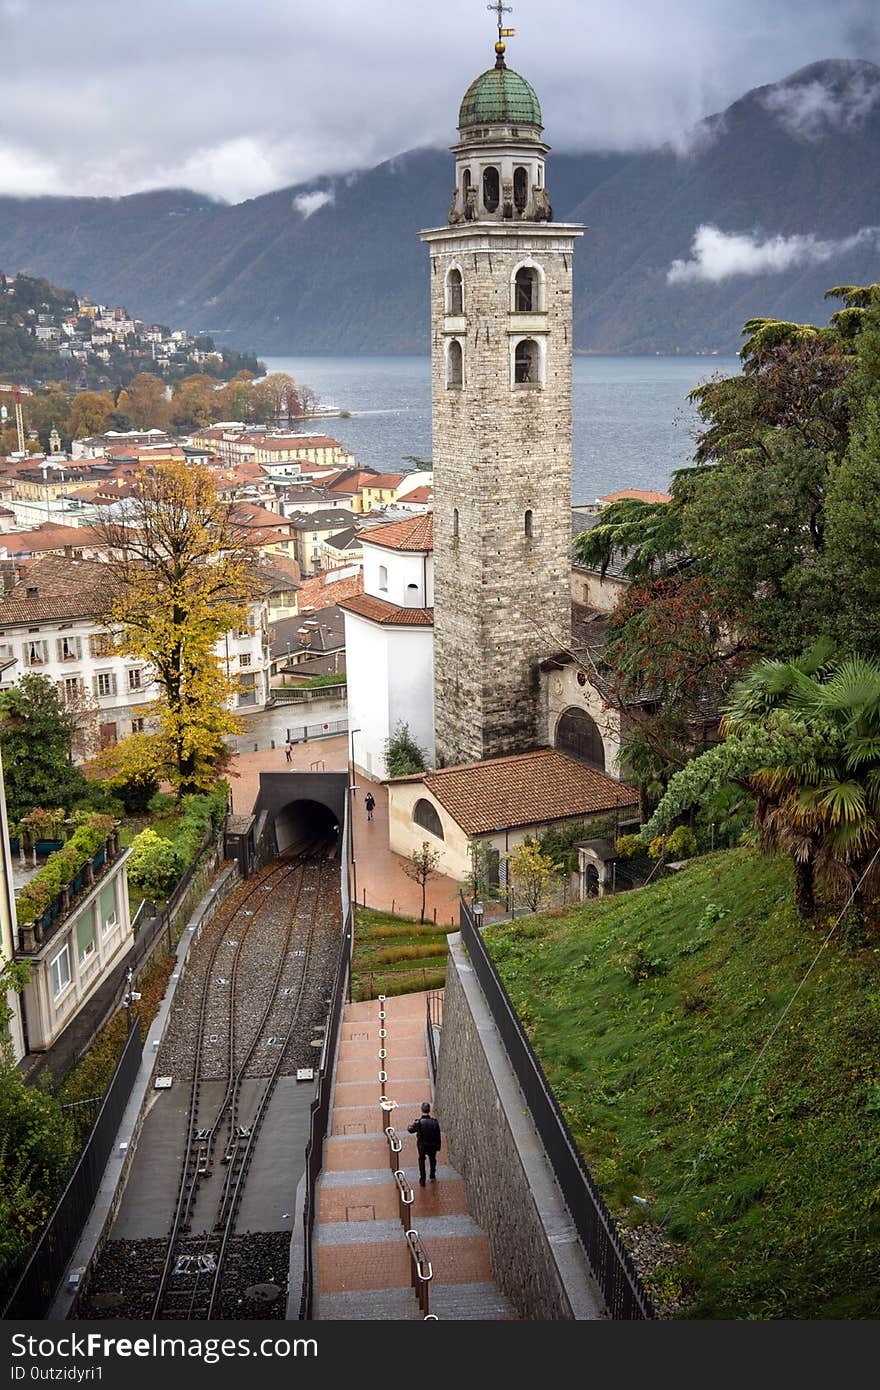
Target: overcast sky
{"type": "Point", "coordinates": [236, 97]}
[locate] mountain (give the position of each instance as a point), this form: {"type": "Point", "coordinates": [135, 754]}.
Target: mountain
{"type": "Point", "coordinates": [798, 161]}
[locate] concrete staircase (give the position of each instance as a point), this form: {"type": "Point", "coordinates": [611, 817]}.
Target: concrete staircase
{"type": "Point", "coordinates": [362, 1259]}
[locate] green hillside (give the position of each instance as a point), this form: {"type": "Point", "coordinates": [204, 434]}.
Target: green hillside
{"type": "Point", "coordinates": [647, 1011]}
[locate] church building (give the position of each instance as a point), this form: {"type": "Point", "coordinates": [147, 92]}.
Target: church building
{"type": "Point", "coordinates": [501, 326]}
{"type": "Point", "coordinates": [516, 750]}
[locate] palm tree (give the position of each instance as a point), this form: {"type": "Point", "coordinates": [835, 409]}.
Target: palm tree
{"type": "Point", "coordinates": [823, 804]}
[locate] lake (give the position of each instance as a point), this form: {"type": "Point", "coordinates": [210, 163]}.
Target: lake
{"type": "Point", "coordinates": [632, 420]}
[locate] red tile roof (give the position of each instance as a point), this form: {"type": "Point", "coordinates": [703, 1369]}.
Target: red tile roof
{"type": "Point", "coordinates": [524, 789]}
{"type": "Point", "coordinates": [640, 494]}
{"type": "Point", "coordinates": [388, 614]}
{"type": "Point", "coordinates": [323, 589]}
{"type": "Point", "coordinates": [416, 533]}
{"type": "Point", "coordinates": [54, 588]}
{"type": "Point", "coordinates": [385, 480]}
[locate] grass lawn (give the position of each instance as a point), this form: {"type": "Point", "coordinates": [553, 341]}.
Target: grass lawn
{"type": "Point", "coordinates": [395, 955]}
{"type": "Point", "coordinates": [647, 1011]}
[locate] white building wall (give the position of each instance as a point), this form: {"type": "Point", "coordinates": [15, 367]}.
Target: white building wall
{"type": "Point", "coordinates": [390, 679]}
{"type": "Point", "coordinates": [403, 570]}
{"type": "Point", "coordinates": [367, 668]}
{"type": "Point", "coordinates": [411, 689]}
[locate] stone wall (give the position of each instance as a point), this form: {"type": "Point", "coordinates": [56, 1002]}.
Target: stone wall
{"type": "Point", "coordinates": [501, 450]}
{"type": "Point", "coordinates": [537, 1259]}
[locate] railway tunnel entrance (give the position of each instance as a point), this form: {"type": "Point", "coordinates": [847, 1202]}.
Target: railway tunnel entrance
{"type": "Point", "coordinates": [306, 823]}
{"type": "Point", "coordinates": [294, 809]}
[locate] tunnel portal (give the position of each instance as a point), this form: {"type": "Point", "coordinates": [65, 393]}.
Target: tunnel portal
{"type": "Point", "coordinates": [305, 823]}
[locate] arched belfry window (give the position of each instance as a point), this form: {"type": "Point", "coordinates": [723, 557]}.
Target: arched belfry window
{"type": "Point", "coordinates": [491, 189]}
{"type": "Point", "coordinates": [454, 365]}
{"type": "Point", "coordinates": [454, 292]}
{"type": "Point", "coordinates": [425, 815]}
{"type": "Point", "coordinates": [578, 736]}
{"type": "Point", "coordinates": [520, 189]}
{"type": "Point", "coordinates": [527, 363]}
{"type": "Point", "coordinates": [525, 290]}
{"type": "Point", "coordinates": [465, 185]}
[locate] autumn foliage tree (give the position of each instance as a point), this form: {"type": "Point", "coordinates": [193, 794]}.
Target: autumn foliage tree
{"type": "Point", "coordinates": [181, 579]}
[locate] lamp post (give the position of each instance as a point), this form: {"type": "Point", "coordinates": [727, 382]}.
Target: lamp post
{"type": "Point", "coordinates": [352, 789]}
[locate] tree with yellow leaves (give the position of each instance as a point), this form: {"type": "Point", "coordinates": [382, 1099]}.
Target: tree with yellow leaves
{"type": "Point", "coordinates": [181, 580]}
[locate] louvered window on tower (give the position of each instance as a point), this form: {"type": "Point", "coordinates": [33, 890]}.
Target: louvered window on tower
{"type": "Point", "coordinates": [526, 364]}
{"type": "Point", "coordinates": [520, 189]}
{"type": "Point", "coordinates": [525, 296]}
{"type": "Point", "coordinates": [491, 189]}
{"type": "Point", "coordinates": [454, 293]}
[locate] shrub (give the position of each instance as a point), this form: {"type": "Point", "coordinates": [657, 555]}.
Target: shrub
{"type": "Point", "coordinates": [136, 789]}
{"type": "Point", "coordinates": [62, 866]}
{"type": "Point", "coordinates": [628, 846]}
{"type": "Point", "coordinates": [403, 755]}
{"type": "Point", "coordinates": [154, 865]}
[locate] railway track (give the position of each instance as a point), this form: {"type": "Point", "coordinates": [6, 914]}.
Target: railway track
{"type": "Point", "coordinates": [189, 1273]}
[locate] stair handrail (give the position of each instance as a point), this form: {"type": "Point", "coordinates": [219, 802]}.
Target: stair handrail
{"type": "Point", "coordinates": [405, 1196]}
{"type": "Point", "coordinates": [421, 1272]}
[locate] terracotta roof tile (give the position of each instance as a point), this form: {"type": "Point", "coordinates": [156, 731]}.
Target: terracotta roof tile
{"type": "Point", "coordinates": [640, 494]}
{"type": "Point", "coordinates": [524, 789]}
{"type": "Point", "coordinates": [416, 533]}
{"type": "Point", "coordinates": [55, 588]}
{"type": "Point", "coordinates": [389, 614]}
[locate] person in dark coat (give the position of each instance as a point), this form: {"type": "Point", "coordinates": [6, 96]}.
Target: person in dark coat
{"type": "Point", "coordinates": [427, 1132]}
{"type": "Point", "coordinates": [370, 803]}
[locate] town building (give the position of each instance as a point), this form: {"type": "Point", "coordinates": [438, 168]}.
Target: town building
{"type": "Point", "coordinates": [389, 642]}
{"type": "Point", "coordinates": [9, 928]}
{"type": "Point", "coordinates": [499, 802]}
{"type": "Point", "coordinates": [501, 314]}
{"type": "Point", "coordinates": [53, 623]}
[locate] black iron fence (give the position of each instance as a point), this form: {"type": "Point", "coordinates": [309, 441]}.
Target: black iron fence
{"type": "Point", "coordinates": [610, 1261]}
{"type": "Point", "coordinates": [36, 1287]}
{"type": "Point", "coordinates": [320, 1113]}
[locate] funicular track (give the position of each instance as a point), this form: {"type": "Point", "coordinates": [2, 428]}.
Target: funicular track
{"type": "Point", "coordinates": [191, 1274]}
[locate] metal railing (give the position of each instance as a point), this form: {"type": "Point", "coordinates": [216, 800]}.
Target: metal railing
{"type": "Point", "coordinates": [405, 1197]}
{"type": "Point", "coordinates": [610, 1261]}
{"type": "Point", "coordinates": [433, 1019]}
{"type": "Point", "coordinates": [35, 1289]}
{"type": "Point", "coordinates": [421, 1272]}
{"type": "Point", "coordinates": [320, 1112]}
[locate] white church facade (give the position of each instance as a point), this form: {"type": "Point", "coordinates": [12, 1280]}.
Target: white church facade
{"type": "Point", "coordinates": [389, 642]}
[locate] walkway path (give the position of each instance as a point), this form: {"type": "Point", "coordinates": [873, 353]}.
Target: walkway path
{"type": "Point", "coordinates": [379, 872]}
{"type": "Point", "coordinates": [363, 1263]}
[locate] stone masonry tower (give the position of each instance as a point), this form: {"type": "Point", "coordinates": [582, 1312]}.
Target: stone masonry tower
{"type": "Point", "coordinates": [501, 320]}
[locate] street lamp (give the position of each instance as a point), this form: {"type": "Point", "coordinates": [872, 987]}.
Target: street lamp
{"type": "Point", "coordinates": [131, 997]}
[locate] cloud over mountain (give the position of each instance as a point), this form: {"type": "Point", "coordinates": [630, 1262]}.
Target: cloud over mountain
{"type": "Point", "coordinates": [718, 255]}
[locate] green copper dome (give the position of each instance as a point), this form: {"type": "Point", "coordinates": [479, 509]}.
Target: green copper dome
{"type": "Point", "coordinates": [499, 96]}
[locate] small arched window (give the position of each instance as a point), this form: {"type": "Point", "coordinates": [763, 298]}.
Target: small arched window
{"type": "Point", "coordinates": [520, 189]}
{"type": "Point", "coordinates": [454, 365]}
{"type": "Point", "coordinates": [454, 293]}
{"type": "Point", "coordinates": [525, 290]}
{"type": "Point", "coordinates": [527, 363]}
{"type": "Point", "coordinates": [528, 525]}
{"type": "Point", "coordinates": [465, 185]}
{"type": "Point", "coordinates": [425, 815]}
{"type": "Point", "coordinates": [491, 189]}
{"type": "Point", "coordinates": [455, 523]}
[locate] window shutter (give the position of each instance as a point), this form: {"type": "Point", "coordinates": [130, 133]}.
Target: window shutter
{"type": "Point", "coordinates": [113, 683]}
{"type": "Point", "coordinates": [94, 685]}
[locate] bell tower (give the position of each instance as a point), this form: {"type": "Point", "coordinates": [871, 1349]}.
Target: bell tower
{"type": "Point", "coordinates": [501, 389]}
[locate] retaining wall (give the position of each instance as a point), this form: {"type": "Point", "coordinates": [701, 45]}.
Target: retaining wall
{"type": "Point", "coordinates": [537, 1259]}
